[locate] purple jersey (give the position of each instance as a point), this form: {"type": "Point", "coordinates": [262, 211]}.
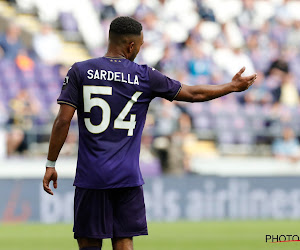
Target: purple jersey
{"type": "Point", "coordinates": [112, 98]}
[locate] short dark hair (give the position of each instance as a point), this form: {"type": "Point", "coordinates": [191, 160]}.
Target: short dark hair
{"type": "Point", "coordinates": [125, 25]}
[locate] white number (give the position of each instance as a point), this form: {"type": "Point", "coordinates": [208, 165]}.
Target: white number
{"type": "Point", "coordinates": [119, 123]}
{"type": "Point", "coordinates": [130, 125]}
{"type": "Point", "coordinates": [90, 102]}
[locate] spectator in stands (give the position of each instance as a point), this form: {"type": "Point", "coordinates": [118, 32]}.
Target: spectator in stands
{"type": "Point", "coordinates": [10, 42]}
{"type": "Point", "coordinates": [287, 147]}
{"type": "Point", "coordinates": [143, 9]}
{"type": "Point", "coordinates": [283, 14]}
{"type": "Point", "coordinates": [169, 62]}
{"type": "Point", "coordinates": [24, 108]}
{"type": "Point", "coordinates": [293, 39]}
{"type": "Point", "coordinates": [287, 93]}
{"type": "Point", "coordinates": [278, 67]}
{"type": "Point", "coordinates": [246, 18]}
{"type": "Point", "coordinates": [200, 64]}
{"type": "Point", "coordinates": [47, 45]}
{"type": "Point", "coordinates": [24, 62]}
{"type": "Point", "coordinates": [11, 1]}
{"type": "Point", "coordinates": [167, 114]}
{"type": "Point", "coordinates": [205, 12]}
{"type": "Point", "coordinates": [239, 56]}
{"type": "Point", "coordinates": [3, 114]}
{"type": "Point", "coordinates": [108, 12]}
{"type": "Point", "coordinates": [14, 139]}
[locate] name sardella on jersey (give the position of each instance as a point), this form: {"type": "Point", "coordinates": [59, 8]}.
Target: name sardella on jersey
{"type": "Point", "coordinates": [112, 97]}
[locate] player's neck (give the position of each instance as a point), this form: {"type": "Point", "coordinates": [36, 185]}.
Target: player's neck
{"type": "Point", "coordinates": [115, 54]}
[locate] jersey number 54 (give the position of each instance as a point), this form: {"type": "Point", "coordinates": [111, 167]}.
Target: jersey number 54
{"type": "Point", "coordinates": [119, 123]}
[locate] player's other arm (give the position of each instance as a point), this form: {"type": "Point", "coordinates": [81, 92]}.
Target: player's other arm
{"type": "Point", "coordinates": [202, 93]}
{"type": "Point", "coordinates": [58, 136]}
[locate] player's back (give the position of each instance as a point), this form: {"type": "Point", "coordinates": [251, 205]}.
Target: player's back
{"type": "Point", "coordinates": [112, 98]}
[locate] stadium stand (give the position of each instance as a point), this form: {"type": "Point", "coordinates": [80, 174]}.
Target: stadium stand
{"type": "Point", "coordinates": [196, 42]}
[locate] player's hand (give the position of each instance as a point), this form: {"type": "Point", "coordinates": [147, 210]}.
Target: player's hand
{"type": "Point", "coordinates": [240, 83]}
{"type": "Point", "coordinates": [50, 175]}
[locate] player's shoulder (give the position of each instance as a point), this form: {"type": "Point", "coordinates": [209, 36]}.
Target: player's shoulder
{"type": "Point", "coordinates": [133, 64]}
{"type": "Point", "coordinates": [142, 70]}
{"type": "Point", "coordinates": [149, 73]}
{"type": "Point", "coordinates": [146, 68]}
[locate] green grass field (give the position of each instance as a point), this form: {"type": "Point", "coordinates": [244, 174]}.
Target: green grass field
{"type": "Point", "coordinates": [223, 235]}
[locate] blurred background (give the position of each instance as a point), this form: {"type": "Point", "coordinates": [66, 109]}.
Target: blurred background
{"type": "Point", "coordinates": [239, 155]}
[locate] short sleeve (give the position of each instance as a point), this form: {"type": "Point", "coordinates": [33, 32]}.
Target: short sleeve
{"type": "Point", "coordinates": [70, 90]}
{"type": "Point", "coordinates": [163, 86]}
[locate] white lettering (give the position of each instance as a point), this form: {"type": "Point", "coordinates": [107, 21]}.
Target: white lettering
{"type": "Point", "coordinates": [96, 75]}
{"type": "Point", "coordinates": [259, 205]}
{"type": "Point", "coordinates": [136, 80]}
{"type": "Point", "coordinates": [103, 74]}
{"type": "Point", "coordinates": [194, 205]}
{"type": "Point", "coordinates": [129, 79]}
{"type": "Point", "coordinates": [295, 204]}
{"type": "Point", "coordinates": [279, 203]}
{"type": "Point", "coordinates": [110, 75]}
{"type": "Point", "coordinates": [90, 73]}
{"type": "Point", "coordinates": [172, 208]}
{"type": "Point", "coordinates": [123, 80]}
{"type": "Point", "coordinates": [117, 75]}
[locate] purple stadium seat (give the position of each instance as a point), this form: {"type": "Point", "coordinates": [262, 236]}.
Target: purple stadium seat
{"type": "Point", "coordinates": [240, 122]}
{"type": "Point", "coordinates": [223, 122]}
{"type": "Point", "coordinates": [202, 121]}
{"type": "Point", "coordinates": [225, 137]}
{"type": "Point", "coordinates": [245, 137]}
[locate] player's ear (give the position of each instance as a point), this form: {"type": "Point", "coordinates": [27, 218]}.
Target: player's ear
{"type": "Point", "coordinates": [131, 47]}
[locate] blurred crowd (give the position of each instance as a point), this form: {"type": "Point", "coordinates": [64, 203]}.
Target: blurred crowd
{"type": "Point", "coordinates": [195, 42]}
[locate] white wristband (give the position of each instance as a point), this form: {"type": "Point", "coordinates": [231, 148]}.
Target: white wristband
{"type": "Point", "coordinates": [50, 164]}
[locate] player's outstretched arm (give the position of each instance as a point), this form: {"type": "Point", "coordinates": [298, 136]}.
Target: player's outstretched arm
{"type": "Point", "coordinates": [58, 136]}
{"type": "Point", "coordinates": [202, 93]}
